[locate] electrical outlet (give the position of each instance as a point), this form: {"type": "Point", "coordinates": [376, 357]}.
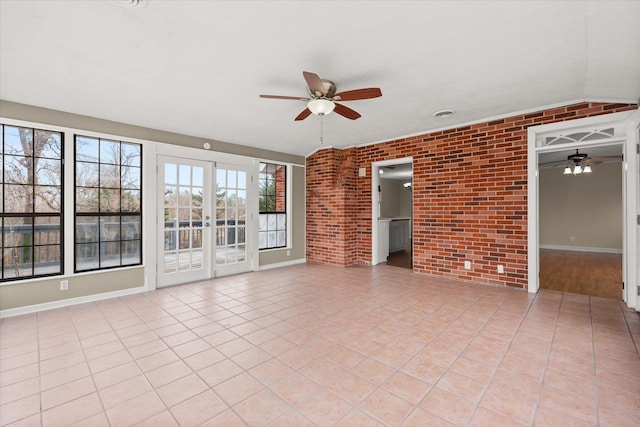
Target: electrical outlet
{"type": "Point", "coordinates": [64, 285]}
{"type": "Point", "coordinates": [501, 269]}
{"type": "Point", "coordinates": [467, 265]}
{"type": "Point", "coordinates": [572, 239]}
{"type": "Point", "coordinates": [288, 252]}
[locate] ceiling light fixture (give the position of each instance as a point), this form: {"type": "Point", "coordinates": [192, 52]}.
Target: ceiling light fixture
{"type": "Point", "coordinates": [577, 164]}
{"type": "Point", "coordinates": [443, 113]}
{"type": "Point", "coordinates": [320, 106]}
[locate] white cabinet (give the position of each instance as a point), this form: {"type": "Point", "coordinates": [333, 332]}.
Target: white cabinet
{"type": "Point", "coordinates": [383, 240]}
{"type": "Point", "coordinates": [399, 234]}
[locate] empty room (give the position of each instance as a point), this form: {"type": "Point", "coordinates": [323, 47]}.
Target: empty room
{"type": "Point", "coordinates": [313, 213]}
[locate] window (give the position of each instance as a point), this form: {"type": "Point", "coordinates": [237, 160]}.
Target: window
{"type": "Point", "coordinates": [272, 221]}
{"type": "Point", "coordinates": [31, 197]}
{"type": "Point", "coordinates": [108, 196]}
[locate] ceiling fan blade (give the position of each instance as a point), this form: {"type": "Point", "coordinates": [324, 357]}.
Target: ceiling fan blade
{"type": "Point", "coordinates": [314, 83]}
{"type": "Point", "coordinates": [305, 113]}
{"type": "Point", "coordinates": [294, 98]}
{"type": "Point", "coordinates": [346, 112]}
{"type": "Point", "coordinates": [354, 95]}
{"type": "Point", "coordinates": [555, 162]}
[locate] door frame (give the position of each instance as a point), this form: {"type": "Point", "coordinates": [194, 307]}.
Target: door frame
{"type": "Point", "coordinates": [626, 133]}
{"type": "Point", "coordinates": [189, 153]}
{"type": "Point", "coordinates": [375, 183]}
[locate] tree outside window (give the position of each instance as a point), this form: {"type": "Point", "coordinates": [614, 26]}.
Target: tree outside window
{"type": "Point", "coordinates": [108, 203]}
{"type": "Point", "coordinates": [31, 196]}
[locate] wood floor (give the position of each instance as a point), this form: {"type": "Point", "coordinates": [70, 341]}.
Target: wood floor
{"type": "Point", "coordinates": [400, 259]}
{"type": "Point", "coordinates": [588, 273]}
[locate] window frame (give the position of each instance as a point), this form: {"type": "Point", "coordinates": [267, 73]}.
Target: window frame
{"type": "Point", "coordinates": [120, 214]}
{"type": "Point", "coordinates": [284, 203]}
{"type": "Point", "coordinates": [33, 215]}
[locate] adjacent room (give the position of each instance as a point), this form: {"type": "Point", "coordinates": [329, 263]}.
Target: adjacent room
{"type": "Point", "coordinates": [311, 213]}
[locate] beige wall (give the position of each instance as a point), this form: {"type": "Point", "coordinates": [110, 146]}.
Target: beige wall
{"type": "Point", "coordinates": [396, 200]}
{"type": "Point", "coordinates": [16, 295]}
{"type": "Point", "coordinates": [587, 207]}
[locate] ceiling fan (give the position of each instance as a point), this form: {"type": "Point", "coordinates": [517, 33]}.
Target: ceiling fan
{"type": "Point", "coordinates": [578, 162]}
{"type": "Point", "coordinates": [323, 98]}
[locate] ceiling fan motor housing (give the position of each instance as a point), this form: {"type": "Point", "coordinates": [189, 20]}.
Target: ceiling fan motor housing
{"type": "Point", "coordinates": [577, 157]}
{"type": "Point", "coordinates": [329, 89]}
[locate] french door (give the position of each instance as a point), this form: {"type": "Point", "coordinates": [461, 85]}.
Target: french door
{"type": "Point", "coordinates": [202, 220]}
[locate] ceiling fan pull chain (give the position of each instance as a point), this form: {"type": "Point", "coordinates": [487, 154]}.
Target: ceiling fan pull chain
{"type": "Point", "coordinates": [321, 130]}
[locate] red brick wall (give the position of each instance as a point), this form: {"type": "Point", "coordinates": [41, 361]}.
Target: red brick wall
{"type": "Point", "coordinates": [331, 207]}
{"type": "Point", "coordinates": [281, 188]}
{"type": "Point", "coordinates": [470, 197]}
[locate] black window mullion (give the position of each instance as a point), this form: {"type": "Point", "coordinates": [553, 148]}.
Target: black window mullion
{"type": "Point", "coordinates": [117, 191]}
{"type": "Point", "coordinates": [33, 215]}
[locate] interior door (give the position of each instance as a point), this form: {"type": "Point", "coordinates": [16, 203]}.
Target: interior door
{"type": "Point", "coordinates": [184, 217]}
{"type": "Point", "coordinates": [232, 239]}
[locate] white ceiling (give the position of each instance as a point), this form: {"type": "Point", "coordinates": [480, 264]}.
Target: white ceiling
{"type": "Point", "coordinates": [197, 67]}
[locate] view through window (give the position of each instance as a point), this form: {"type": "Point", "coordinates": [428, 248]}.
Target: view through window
{"type": "Point", "coordinates": [32, 210]}
{"type": "Point", "coordinates": [272, 221]}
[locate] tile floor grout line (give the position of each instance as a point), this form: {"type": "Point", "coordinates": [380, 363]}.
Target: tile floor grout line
{"type": "Point", "coordinates": [334, 308]}
{"type": "Point", "coordinates": [495, 370]}
{"type": "Point", "coordinates": [534, 415]}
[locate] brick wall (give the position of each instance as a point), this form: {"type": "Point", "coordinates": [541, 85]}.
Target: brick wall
{"type": "Point", "coordinates": [331, 207]}
{"type": "Point", "coordinates": [470, 197]}
{"type": "Point", "coordinates": [281, 188]}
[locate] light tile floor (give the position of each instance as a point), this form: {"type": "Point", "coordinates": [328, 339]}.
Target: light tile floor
{"type": "Point", "coordinates": [322, 345]}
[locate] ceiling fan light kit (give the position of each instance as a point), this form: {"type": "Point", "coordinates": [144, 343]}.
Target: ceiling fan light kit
{"type": "Point", "coordinates": [578, 162]}
{"type": "Point", "coordinates": [323, 98]}
{"type": "Point", "coordinates": [321, 106]}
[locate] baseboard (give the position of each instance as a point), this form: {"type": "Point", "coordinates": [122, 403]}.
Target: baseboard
{"type": "Point", "coordinates": [582, 249]}
{"type": "Point", "coordinates": [283, 264]}
{"type": "Point", "coordinates": [28, 309]}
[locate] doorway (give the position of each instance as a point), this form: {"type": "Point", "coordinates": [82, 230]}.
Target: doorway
{"type": "Point", "coordinates": [621, 129]}
{"type": "Point", "coordinates": [392, 198]}
{"type": "Point", "coordinates": [203, 226]}
{"type": "Point", "coordinates": [580, 219]}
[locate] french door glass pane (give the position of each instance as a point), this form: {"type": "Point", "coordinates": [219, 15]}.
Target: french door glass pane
{"type": "Point", "coordinates": [231, 202]}
{"type": "Point", "coordinates": [183, 199]}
